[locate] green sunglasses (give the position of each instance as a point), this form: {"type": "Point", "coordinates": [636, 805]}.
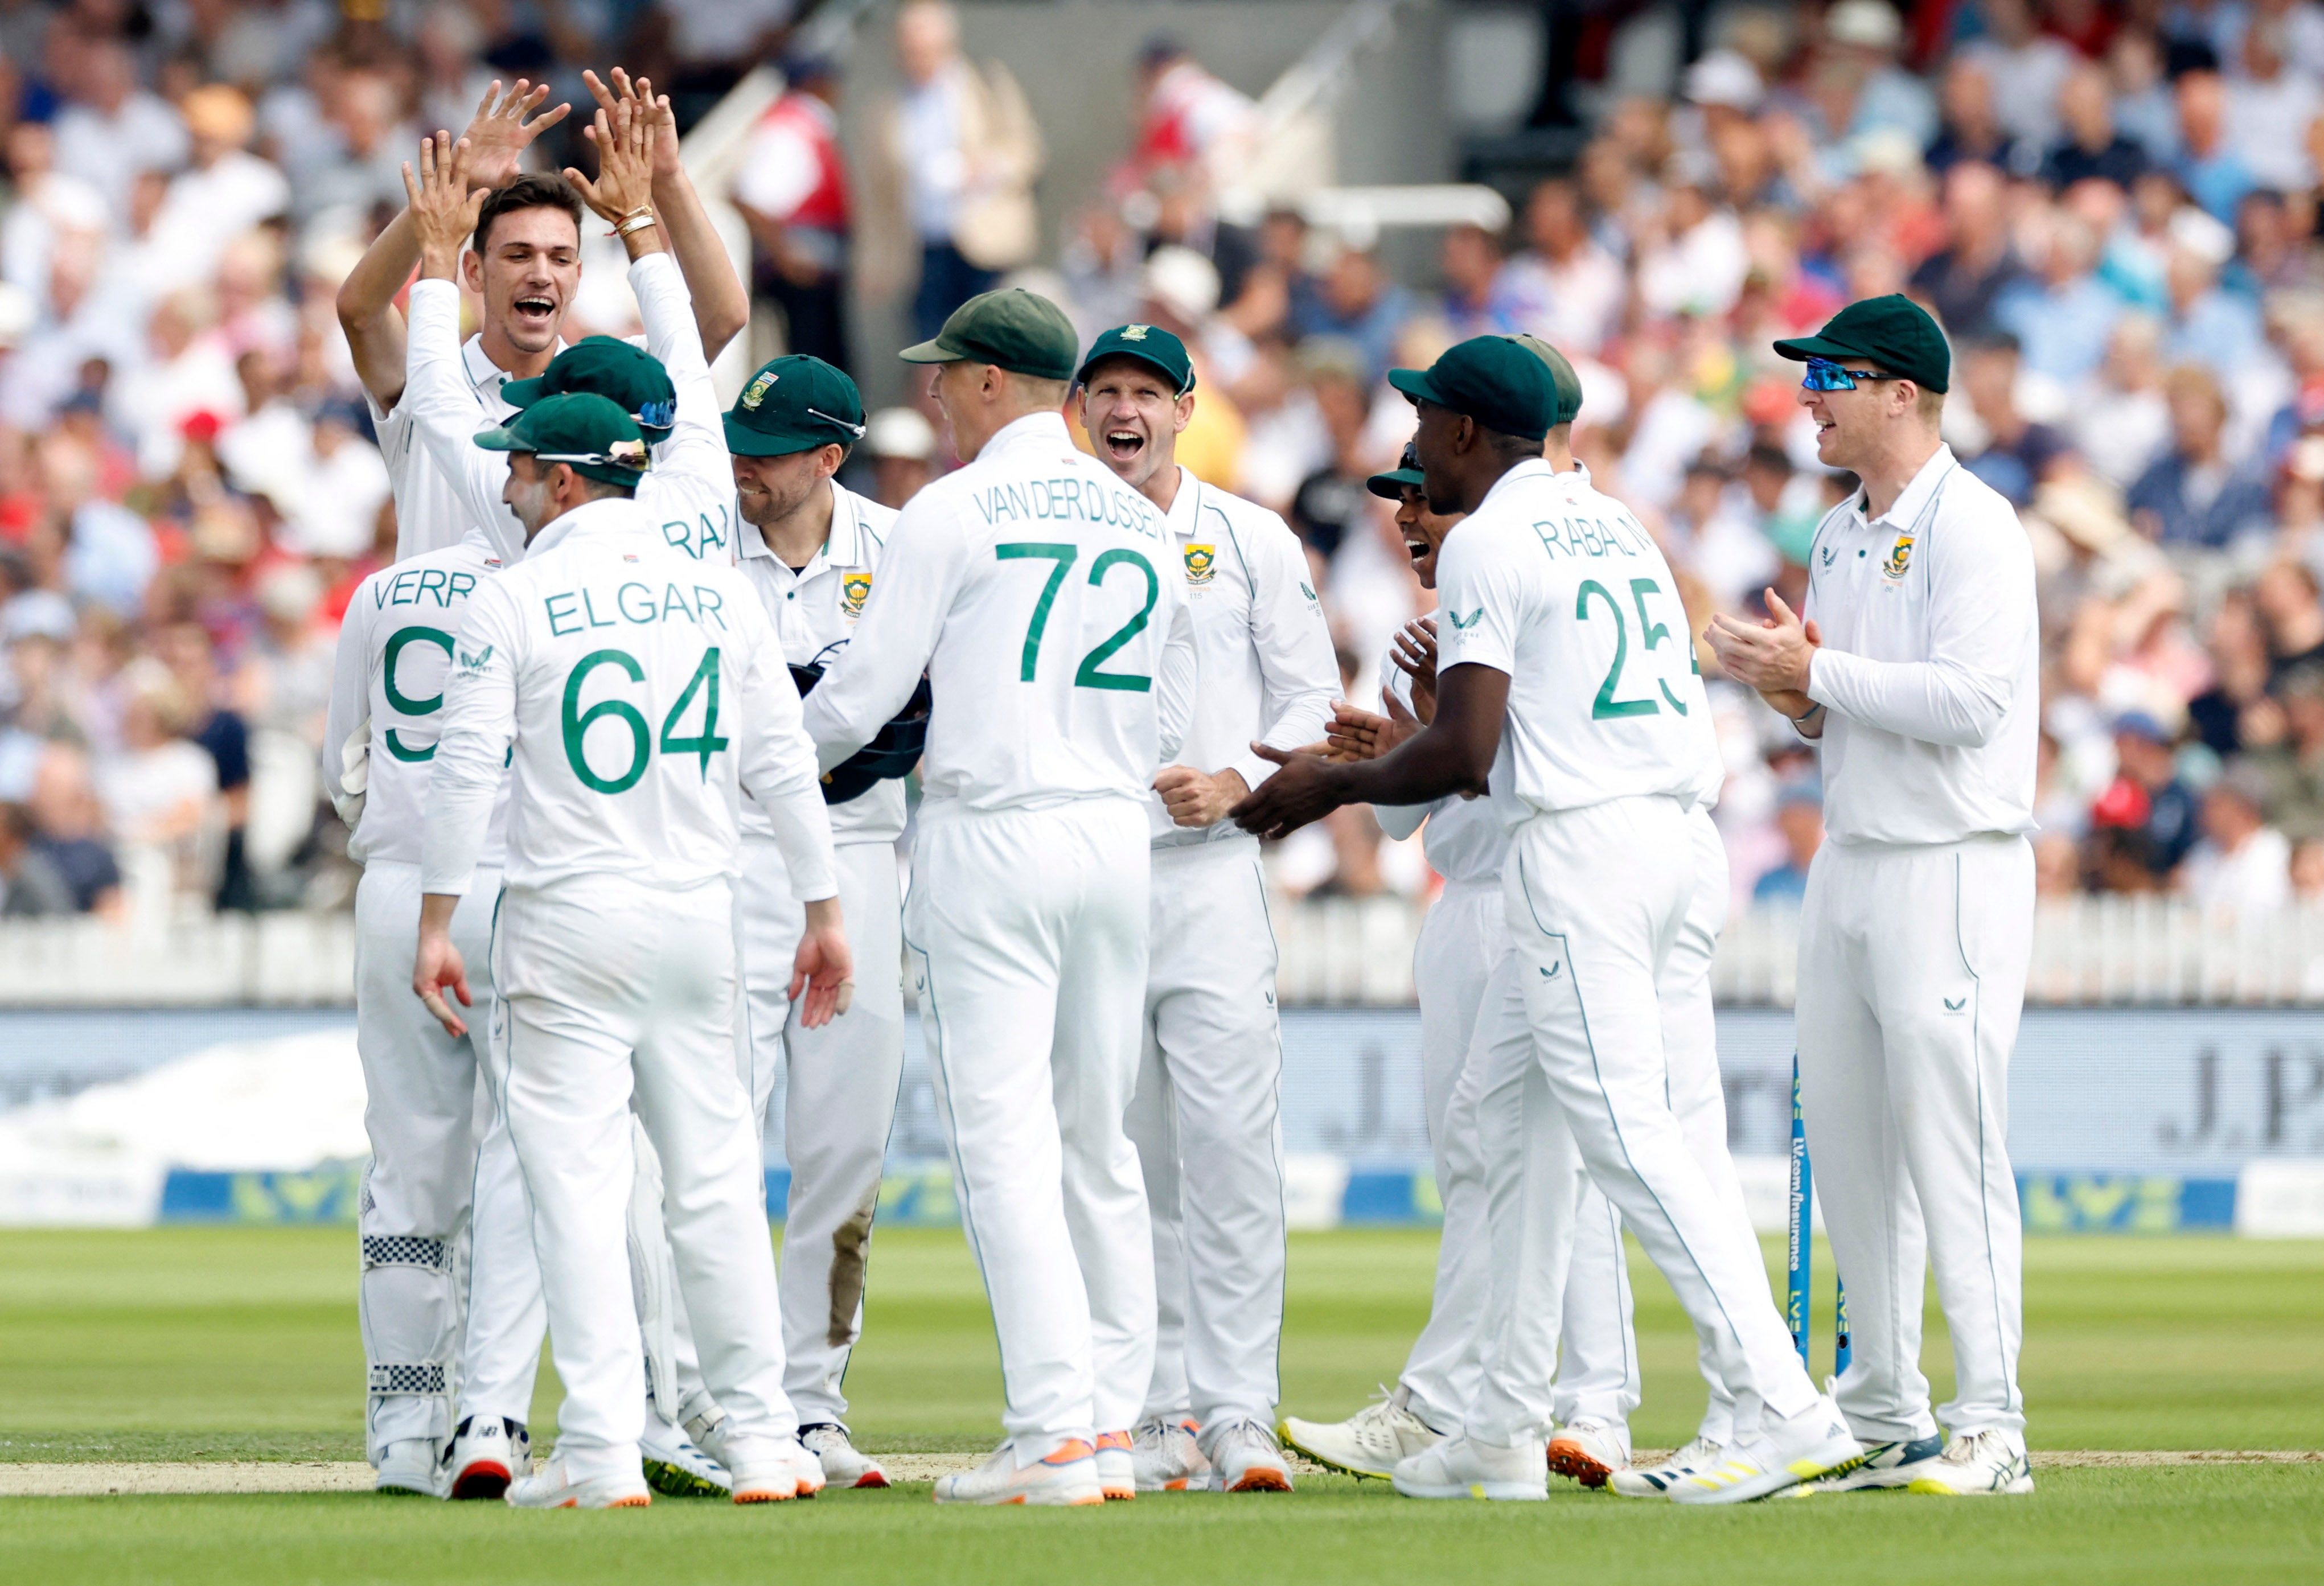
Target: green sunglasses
{"type": "Point", "coordinates": [1824, 375]}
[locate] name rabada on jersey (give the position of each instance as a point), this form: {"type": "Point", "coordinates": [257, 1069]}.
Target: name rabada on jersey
{"type": "Point", "coordinates": [574, 611]}
{"type": "Point", "coordinates": [698, 539]}
{"type": "Point", "coordinates": [1067, 496]}
{"type": "Point", "coordinates": [1591, 537]}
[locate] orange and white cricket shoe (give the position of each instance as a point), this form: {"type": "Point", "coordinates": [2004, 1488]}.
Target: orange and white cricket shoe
{"type": "Point", "coordinates": [555, 1487]}
{"type": "Point", "coordinates": [1066, 1478]}
{"type": "Point", "coordinates": [844, 1464]}
{"type": "Point", "coordinates": [1117, 1475]}
{"type": "Point", "coordinates": [1590, 1450]}
{"type": "Point", "coordinates": [1166, 1457]}
{"type": "Point", "coordinates": [1246, 1457]}
{"type": "Point", "coordinates": [790, 1471]}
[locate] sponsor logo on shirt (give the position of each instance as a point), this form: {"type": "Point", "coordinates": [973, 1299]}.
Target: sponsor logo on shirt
{"type": "Point", "coordinates": [1900, 556]}
{"type": "Point", "coordinates": [1463, 624]}
{"type": "Point", "coordinates": [1201, 562]}
{"type": "Point", "coordinates": [853, 590]}
{"type": "Point", "coordinates": [477, 662]}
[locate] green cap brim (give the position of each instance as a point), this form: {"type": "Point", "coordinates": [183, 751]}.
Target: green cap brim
{"type": "Point", "coordinates": [746, 442]}
{"type": "Point", "coordinates": [1800, 349]}
{"type": "Point", "coordinates": [1392, 484]}
{"type": "Point", "coordinates": [501, 440]}
{"type": "Point", "coordinates": [932, 351]}
{"type": "Point", "coordinates": [1414, 383]}
{"type": "Point", "coordinates": [523, 394]}
{"type": "Point", "coordinates": [1081, 375]}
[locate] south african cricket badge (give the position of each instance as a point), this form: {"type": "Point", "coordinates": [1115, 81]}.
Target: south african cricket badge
{"type": "Point", "coordinates": [757, 393]}
{"type": "Point", "coordinates": [853, 591]}
{"type": "Point", "coordinates": [1202, 564]}
{"type": "Point", "coordinates": [1900, 556]}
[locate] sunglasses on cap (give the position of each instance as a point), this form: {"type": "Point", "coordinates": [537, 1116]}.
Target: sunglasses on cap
{"type": "Point", "coordinates": [1824, 375]}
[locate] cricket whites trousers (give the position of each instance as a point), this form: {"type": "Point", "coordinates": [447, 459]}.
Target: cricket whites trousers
{"type": "Point", "coordinates": [839, 1100]}
{"type": "Point", "coordinates": [1464, 939]}
{"type": "Point", "coordinates": [1207, 1122]}
{"type": "Point", "coordinates": [1912, 965]}
{"type": "Point", "coordinates": [1025, 936]}
{"type": "Point", "coordinates": [612, 989]}
{"type": "Point", "coordinates": [1598, 901]}
{"type": "Point", "coordinates": [423, 1110]}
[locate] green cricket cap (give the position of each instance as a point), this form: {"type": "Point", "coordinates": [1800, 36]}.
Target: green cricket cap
{"type": "Point", "coordinates": [1569, 383]}
{"type": "Point", "coordinates": [1390, 485]}
{"type": "Point", "coordinates": [581, 428]}
{"type": "Point", "coordinates": [1894, 332]}
{"type": "Point", "coordinates": [793, 405]}
{"type": "Point", "coordinates": [1492, 379]}
{"type": "Point", "coordinates": [1148, 343]}
{"type": "Point", "coordinates": [1012, 329]}
{"type": "Point", "coordinates": [632, 377]}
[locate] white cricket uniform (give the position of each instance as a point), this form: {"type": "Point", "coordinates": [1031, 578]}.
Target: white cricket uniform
{"type": "Point", "coordinates": [1207, 1115]}
{"type": "Point", "coordinates": [1916, 933]}
{"type": "Point", "coordinates": [840, 1082]}
{"type": "Point", "coordinates": [1037, 593]}
{"type": "Point", "coordinates": [444, 482]}
{"type": "Point", "coordinates": [635, 693]}
{"type": "Point", "coordinates": [1612, 750]}
{"type": "Point", "coordinates": [421, 1105]}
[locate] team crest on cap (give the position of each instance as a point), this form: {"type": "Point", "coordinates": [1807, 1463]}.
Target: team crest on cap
{"type": "Point", "coordinates": [757, 390]}
{"type": "Point", "coordinates": [853, 591]}
{"type": "Point", "coordinates": [1135, 332]}
{"type": "Point", "coordinates": [1900, 556]}
{"type": "Point", "coordinates": [1202, 564]}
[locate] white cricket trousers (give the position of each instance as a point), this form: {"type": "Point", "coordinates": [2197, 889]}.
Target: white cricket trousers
{"type": "Point", "coordinates": [610, 990]}
{"type": "Point", "coordinates": [1464, 939]}
{"type": "Point", "coordinates": [1026, 935]}
{"type": "Point", "coordinates": [423, 1110]}
{"type": "Point", "coordinates": [1912, 965]}
{"type": "Point", "coordinates": [1207, 1120]}
{"type": "Point", "coordinates": [840, 1084]}
{"type": "Point", "coordinates": [1598, 901]}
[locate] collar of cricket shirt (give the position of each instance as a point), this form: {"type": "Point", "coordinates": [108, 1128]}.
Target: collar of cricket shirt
{"type": "Point", "coordinates": [592, 520]}
{"type": "Point", "coordinates": [1531, 468]}
{"type": "Point", "coordinates": [486, 376]}
{"type": "Point", "coordinates": [1045, 427]}
{"type": "Point", "coordinates": [1905, 511]}
{"type": "Point", "coordinates": [1186, 507]}
{"type": "Point", "coordinates": [842, 547]}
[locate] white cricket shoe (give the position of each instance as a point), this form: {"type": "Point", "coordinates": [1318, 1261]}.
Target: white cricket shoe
{"type": "Point", "coordinates": [1457, 1468]}
{"type": "Point", "coordinates": [676, 1468]}
{"type": "Point", "coordinates": [1786, 1453]}
{"type": "Point", "coordinates": [1882, 1465]}
{"type": "Point", "coordinates": [1166, 1457]}
{"type": "Point", "coordinates": [410, 1465]}
{"type": "Point", "coordinates": [488, 1452]}
{"type": "Point", "coordinates": [1590, 1450]}
{"type": "Point", "coordinates": [1368, 1442]}
{"type": "Point", "coordinates": [1656, 1480]}
{"type": "Point", "coordinates": [1979, 1464]}
{"type": "Point", "coordinates": [844, 1464]}
{"type": "Point", "coordinates": [554, 1487]}
{"type": "Point", "coordinates": [1066, 1478]}
{"type": "Point", "coordinates": [1117, 1466]}
{"type": "Point", "coordinates": [1246, 1457]}
{"type": "Point", "coordinates": [791, 1472]}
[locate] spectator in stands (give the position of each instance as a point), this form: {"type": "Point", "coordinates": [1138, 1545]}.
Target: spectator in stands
{"type": "Point", "coordinates": [792, 189]}
{"type": "Point", "coordinates": [1972, 127]}
{"type": "Point", "coordinates": [2291, 616]}
{"type": "Point", "coordinates": [2209, 164]}
{"type": "Point", "coordinates": [2120, 419]}
{"type": "Point", "coordinates": [111, 129]}
{"type": "Point", "coordinates": [31, 885]}
{"type": "Point", "coordinates": [2242, 867]}
{"type": "Point", "coordinates": [1187, 116]}
{"type": "Point", "coordinates": [2293, 765]}
{"type": "Point", "coordinates": [2166, 809]}
{"type": "Point", "coordinates": [2269, 109]}
{"type": "Point", "coordinates": [1565, 267]}
{"type": "Point", "coordinates": [2019, 455]}
{"type": "Point", "coordinates": [2207, 325]}
{"type": "Point", "coordinates": [1858, 85]}
{"type": "Point", "coordinates": [2194, 495]}
{"type": "Point", "coordinates": [1963, 280]}
{"type": "Point", "coordinates": [1482, 296]}
{"type": "Point", "coordinates": [2094, 147]}
{"type": "Point", "coordinates": [952, 168]}
{"type": "Point", "coordinates": [901, 447]}
{"type": "Point", "coordinates": [1799, 817]}
{"type": "Point", "coordinates": [1358, 304]}
{"type": "Point", "coordinates": [223, 192]}
{"type": "Point", "coordinates": [220, 732]}
{"type": "Point", "coordinates": [2062, 317]}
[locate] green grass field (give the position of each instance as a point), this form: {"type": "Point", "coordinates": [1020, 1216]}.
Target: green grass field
{"type": "Point", "coordinates": [194, 1343]}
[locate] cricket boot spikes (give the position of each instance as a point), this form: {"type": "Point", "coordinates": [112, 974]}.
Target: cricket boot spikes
{"type": "Point", "coordinates": [1368, 1442]}
{"type": "Point", "coordinates": [676, 1468]}
{"type": "Point", "coordinates": [1246, 1457]}
{"type": "Point", "coordinates": [1067, 1477]}
{"type": "Point", "coordinates": [789, 1469]}
{"type": "Point", "coordinates": [1457, 1468]}
{"type": "Point", "coordinates": [1117, 1466]}
{"type": "Point", "coordinates": [1590, 1450]}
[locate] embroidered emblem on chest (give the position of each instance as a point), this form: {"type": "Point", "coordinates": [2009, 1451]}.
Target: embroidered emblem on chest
{"type": "Point", "coordinates": [1202, 564]}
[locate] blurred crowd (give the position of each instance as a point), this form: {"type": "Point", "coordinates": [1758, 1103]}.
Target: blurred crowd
{"type": "Point", "coordinates": [2112, 208]}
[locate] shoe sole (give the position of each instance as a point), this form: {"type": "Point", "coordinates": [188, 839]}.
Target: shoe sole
{"type": "Point", "coordinates": [635, 1501]}
{"type": "Point", "coordinates": [1492, 1491]}
{"type": "Point", "coordinates": [756, 1494]}
{"type": "Point", "coordinates": [1262, 1478]}
{"type": "Point", "coordinates": [676, 1481]}
{"type": "Point", "coordinates": [1571, 1459]}
{"type": "Point", "coordinates": [2021, 1488]}
{"type": "Point", "coordinates": [1809, 1467]}
{"type": "Point", "coordinates": [869, 1479]}
{"type": "Point", "coordinates": [485, 1478]}
{"type": "Point", "coordinates": [1282, 1434]}
{"type": "Point", "coordinates": [1025, 1501]}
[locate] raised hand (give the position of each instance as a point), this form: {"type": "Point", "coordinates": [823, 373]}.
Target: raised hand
{"type": "Point", "coordinates": [624, 141]}
{"type": "Point", "coordinates": [499, 134]}
{"type": "Point", "coordinates": [638, 94]}
{"type": "Point", "coordinates": [443, 207]}
{"type": "Point", "coordinates": [1414, 655]}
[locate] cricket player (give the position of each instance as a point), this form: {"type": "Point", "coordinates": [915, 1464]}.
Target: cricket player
{"type": "Point", "coordinates": [811, 550]}
{"type": "Point", "coordinates": [1917, 669]}
{"type": "Point", "coordinates": [1042, 598]}
{"type": "Point", "coordinates": [1611, 750]}
{"type": "Point", "coordinates": [1204, 1116]}
{"type": "Point", "coordinates": [630, 691]}
{"type": "Point", "coordinates": [420, 1108]}
{"type": "Point", "coordinates": [689, 491]}
{"type": "Point", "coordinates": [526, 265]}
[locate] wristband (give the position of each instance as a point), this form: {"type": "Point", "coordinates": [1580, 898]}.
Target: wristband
{"type": "Point", "coordinates": [1801, 720]}
{"type": "Point", "coordinates": [636, 221]}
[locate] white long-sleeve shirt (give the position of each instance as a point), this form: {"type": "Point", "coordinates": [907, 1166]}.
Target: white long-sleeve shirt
{"type": "Point", "coordinates": [1466, 839]}
{"type": "Point", "coordinates": [1032, 586]}
{"type": "Point", "coordinates": [452, 392]}
{"type": "Point", "coordinates": [1930, 663]}
{"type": "Point", "coordinates": [814, 609]}
{"type": "Point", "coordinates": [1265, 651]}
{"type": "Point", "coordinates": [637, 695]}
{"type": "Point", "coordinates": [1560, 587]}
{"type": "Point", "coordinates": [387, 699]}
